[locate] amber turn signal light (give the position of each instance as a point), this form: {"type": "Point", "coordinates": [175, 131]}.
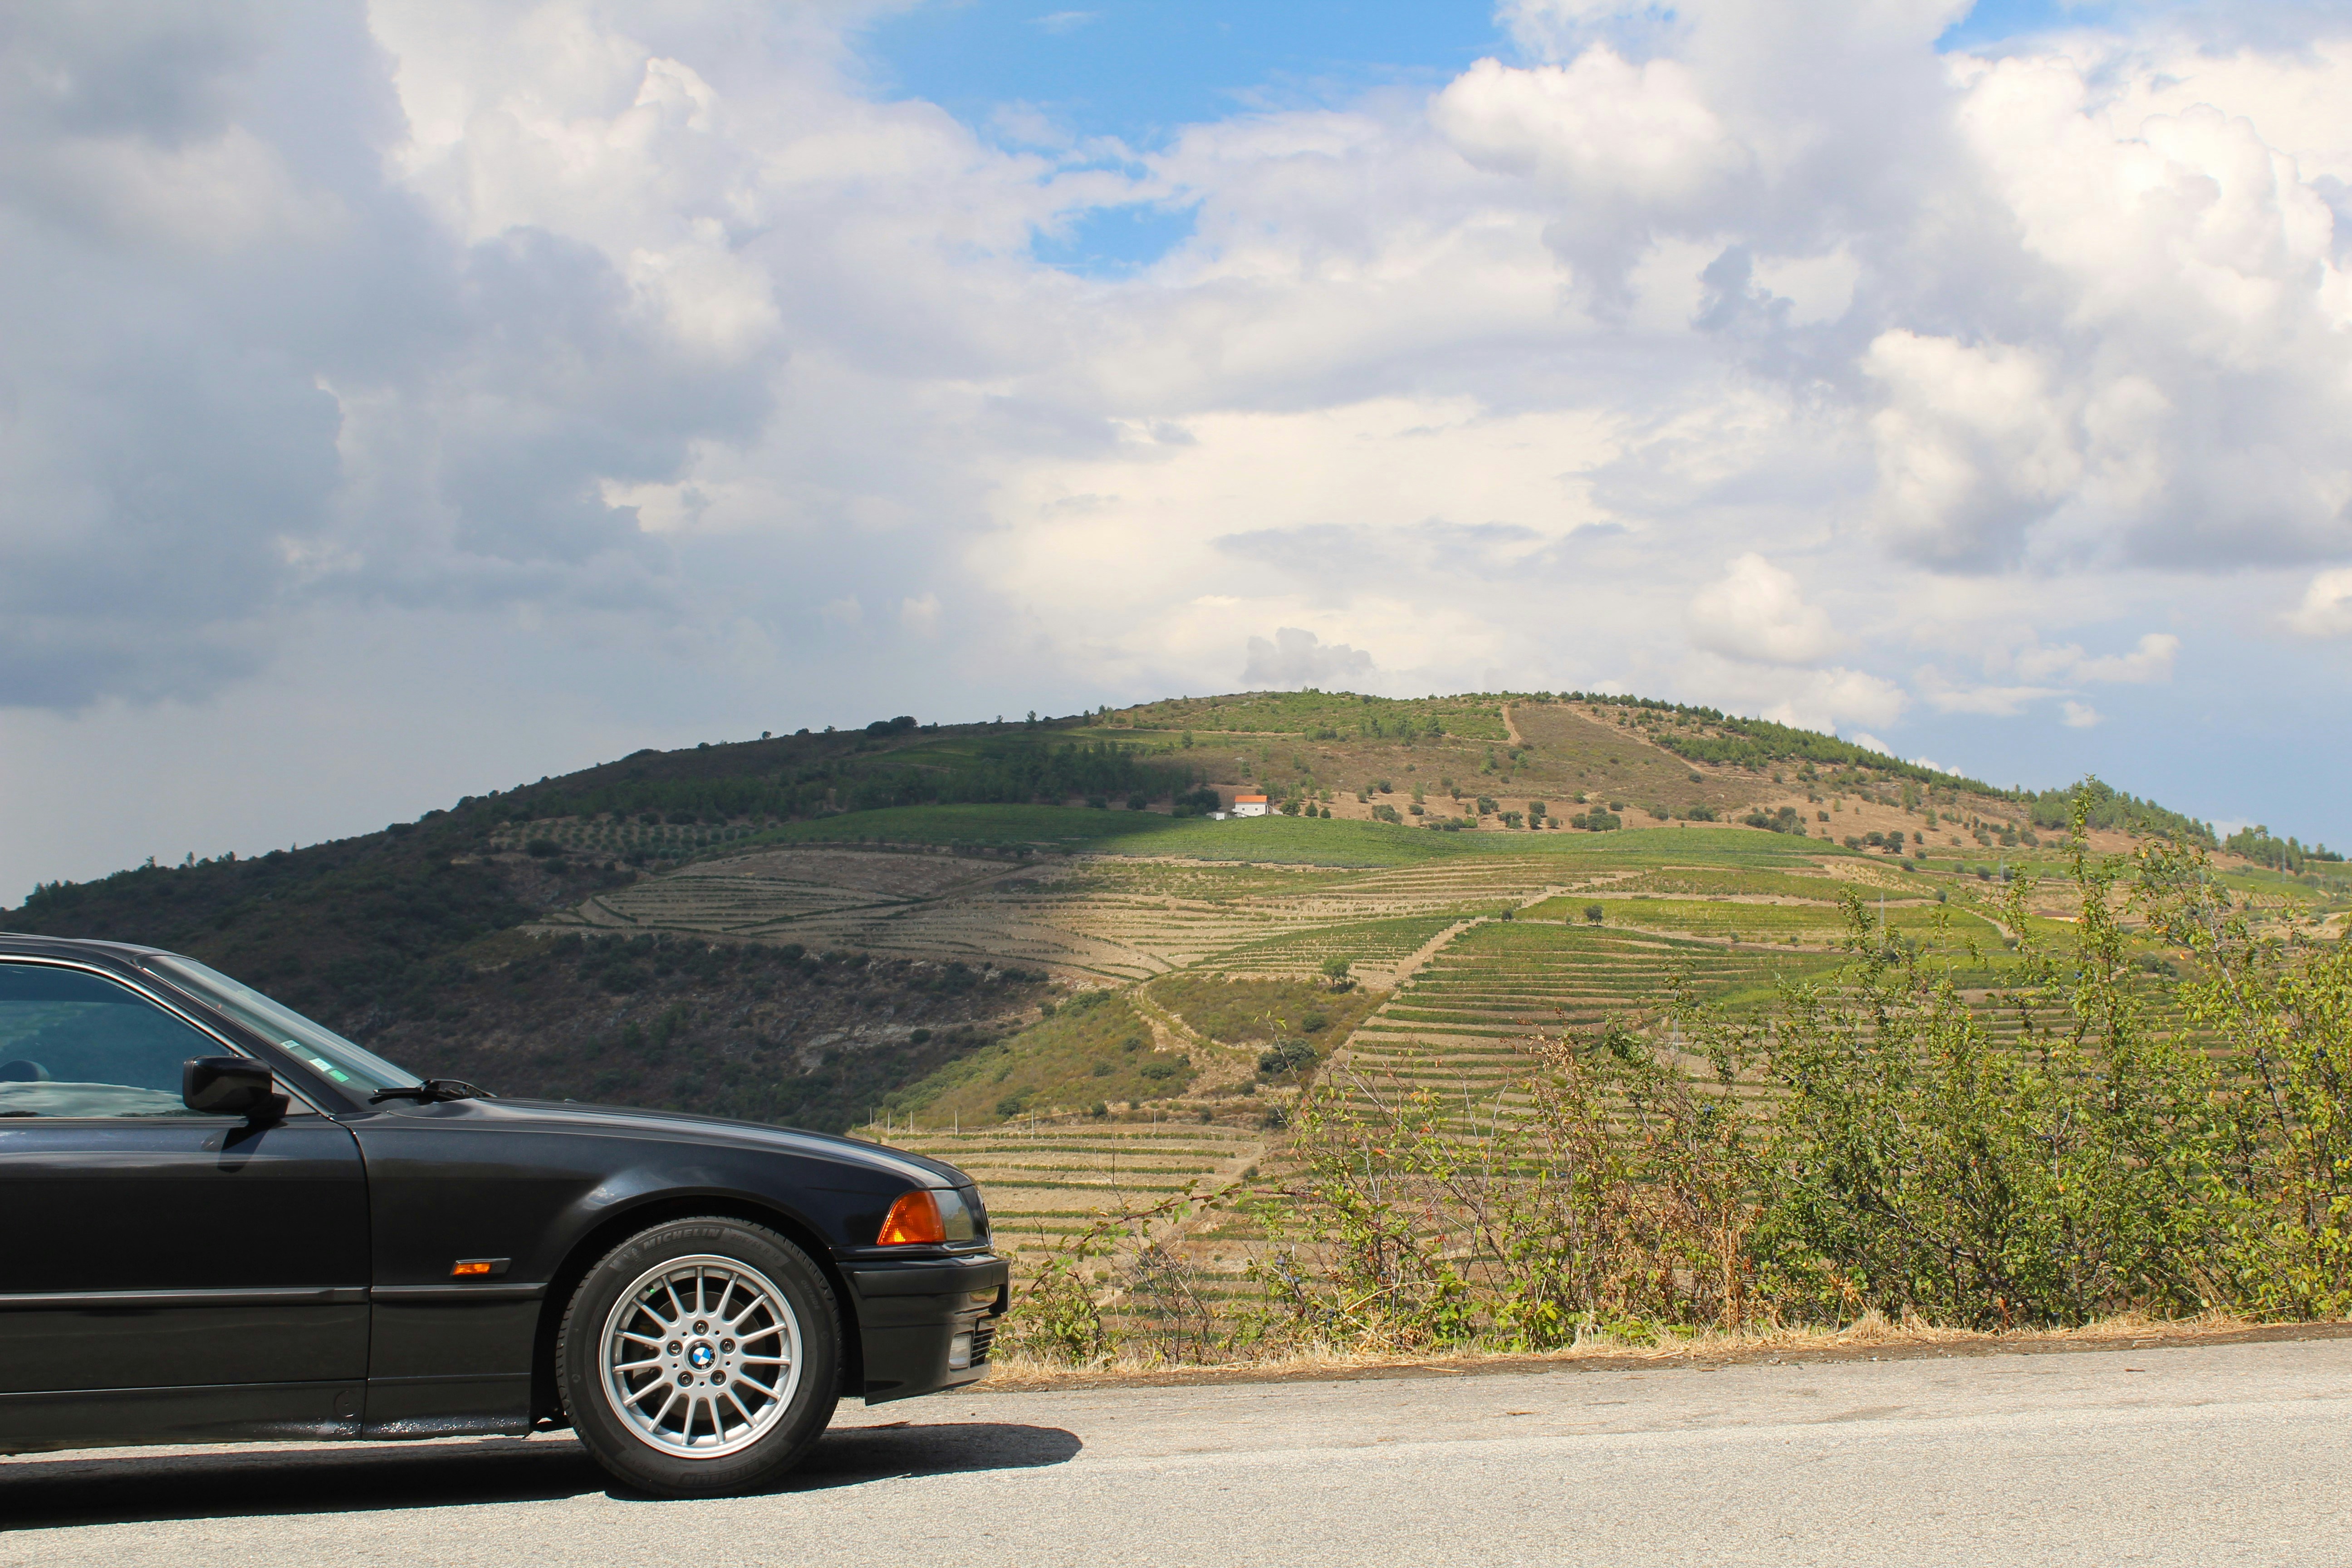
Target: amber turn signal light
{"type": "Point", "coordinates": [914, 1222]}
{"type": "Point", "coordinates": [475, 1268]}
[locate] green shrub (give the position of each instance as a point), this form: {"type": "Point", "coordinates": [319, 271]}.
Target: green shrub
{"type": "Point", "coordinates": [1286, 1057]}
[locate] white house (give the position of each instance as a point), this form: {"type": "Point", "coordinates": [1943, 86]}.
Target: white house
{"type": "Point", "coordinates": [1249, 806]}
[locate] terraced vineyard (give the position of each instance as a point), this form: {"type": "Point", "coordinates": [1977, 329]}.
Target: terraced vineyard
{"type": "Point", "coordinates": [1375, 951]}
{"type": "Point", "coordinates": [1749, 920]}
{"type": "Point", "coordinates": [1455, 1026]}
{"type": "Point", "coordinates": [1046, 1180]}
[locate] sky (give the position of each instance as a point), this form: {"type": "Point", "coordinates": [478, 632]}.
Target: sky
{"type": "Point", "coordinates": [400, 401]}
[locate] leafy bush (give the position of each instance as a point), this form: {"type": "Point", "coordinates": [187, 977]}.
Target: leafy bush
{"type": "Point", "coordinates": [1286, 1057]}
{"type": "Point", "coordinates": [1198, 802]}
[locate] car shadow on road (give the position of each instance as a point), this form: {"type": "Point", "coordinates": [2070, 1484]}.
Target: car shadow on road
{"type": "Point", "coordinates": [125, 1485]}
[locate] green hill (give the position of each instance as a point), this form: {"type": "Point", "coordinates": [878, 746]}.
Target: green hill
{"type": "Point", "coordinates": [905, 920]}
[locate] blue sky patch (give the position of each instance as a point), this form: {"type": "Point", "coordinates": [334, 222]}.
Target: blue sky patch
{"type": "Point", "coordinates": [1113, 242]}
{"type": "Point", "coordinates": [1140, 69]}
{"type": "Point", "coordinates": [1995, 21]}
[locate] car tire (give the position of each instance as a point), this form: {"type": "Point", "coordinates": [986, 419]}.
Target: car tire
{"type": "Point", "coordinates": [700, 1357]}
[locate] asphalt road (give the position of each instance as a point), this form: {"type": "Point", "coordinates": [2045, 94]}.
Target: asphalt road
{"type": "Point", "coordinates": [2238, 1454]}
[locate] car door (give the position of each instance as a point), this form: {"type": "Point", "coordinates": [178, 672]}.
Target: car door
{"type": "Point", "coordinates": [164, 1265]}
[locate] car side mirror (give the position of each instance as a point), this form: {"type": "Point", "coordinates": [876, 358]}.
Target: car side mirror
{"type": "Point", "coordinates": [231, 1086]}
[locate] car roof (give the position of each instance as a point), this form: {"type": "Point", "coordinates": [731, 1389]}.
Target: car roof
{"type": "Point", "coordinates": [33, 944]}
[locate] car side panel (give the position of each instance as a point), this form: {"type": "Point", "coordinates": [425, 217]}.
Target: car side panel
{"type": "Point", "coordinates": [223, 1413]}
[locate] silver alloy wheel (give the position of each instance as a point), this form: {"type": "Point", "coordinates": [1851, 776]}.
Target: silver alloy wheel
{"type": "Point", "coordinates": [701, 1356]}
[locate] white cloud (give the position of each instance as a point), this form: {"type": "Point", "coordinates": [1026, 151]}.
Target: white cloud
{"type": "Point", "coordinates": [1598, 127]}
{"type": "Point", "coordinates": [1297, 657]}
{"type": "Point", "coordinates": [1973, 448]}
{"type": "Point", "coordinates": [920, 616]}
{"type": "Point", "coordinates": [2045, 670]}
{"type": "Point", "coordinates": [1825, 699]}
{"type": "Point", "coordinates": [2150, 664]}
{"type": "Point", "coordinates": [1757, 611]}
{"type": "Point", "coordinates": [2327, 608]}
{"type": "Point", "coordinates": [1818, 287]}
{"type": "Point", "coordinates": [1992, 701]}
{"type": "Point", "coordinates": [2079, 715]}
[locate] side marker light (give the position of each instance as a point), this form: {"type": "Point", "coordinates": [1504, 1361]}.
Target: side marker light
{"type": "Point", "coordinates": [478, 1267]}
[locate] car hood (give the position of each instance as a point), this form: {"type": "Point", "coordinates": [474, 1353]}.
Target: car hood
{"type": "Point", "coordinates": [919, 1170]}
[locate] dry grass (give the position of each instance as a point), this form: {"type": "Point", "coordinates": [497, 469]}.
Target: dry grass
{"type": "Point", "coordinates": [1871, 1337]}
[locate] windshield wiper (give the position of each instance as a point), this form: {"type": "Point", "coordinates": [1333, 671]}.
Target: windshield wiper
{"type": "Point", "coordinates": [433, 1092]}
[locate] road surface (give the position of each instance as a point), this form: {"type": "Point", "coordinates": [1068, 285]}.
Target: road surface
{"type": "Point", "coordinates": [2232, 1454]}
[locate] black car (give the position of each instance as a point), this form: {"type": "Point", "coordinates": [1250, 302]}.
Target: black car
{"type": "Point", "coordinates": [220, 1221]}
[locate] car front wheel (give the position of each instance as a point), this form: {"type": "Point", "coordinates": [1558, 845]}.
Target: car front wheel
{"type": "Point", "coordinates": [699, 1357]}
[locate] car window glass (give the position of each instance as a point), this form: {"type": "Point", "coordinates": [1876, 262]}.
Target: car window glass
{"type": "Point", "coordinates": [75, 1044]}
{"type": "Point", "coordinates": [352, 1067]}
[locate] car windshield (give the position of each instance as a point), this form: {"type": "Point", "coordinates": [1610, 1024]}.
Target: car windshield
{"type": "Point", "coordinates": [360, 1071]}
